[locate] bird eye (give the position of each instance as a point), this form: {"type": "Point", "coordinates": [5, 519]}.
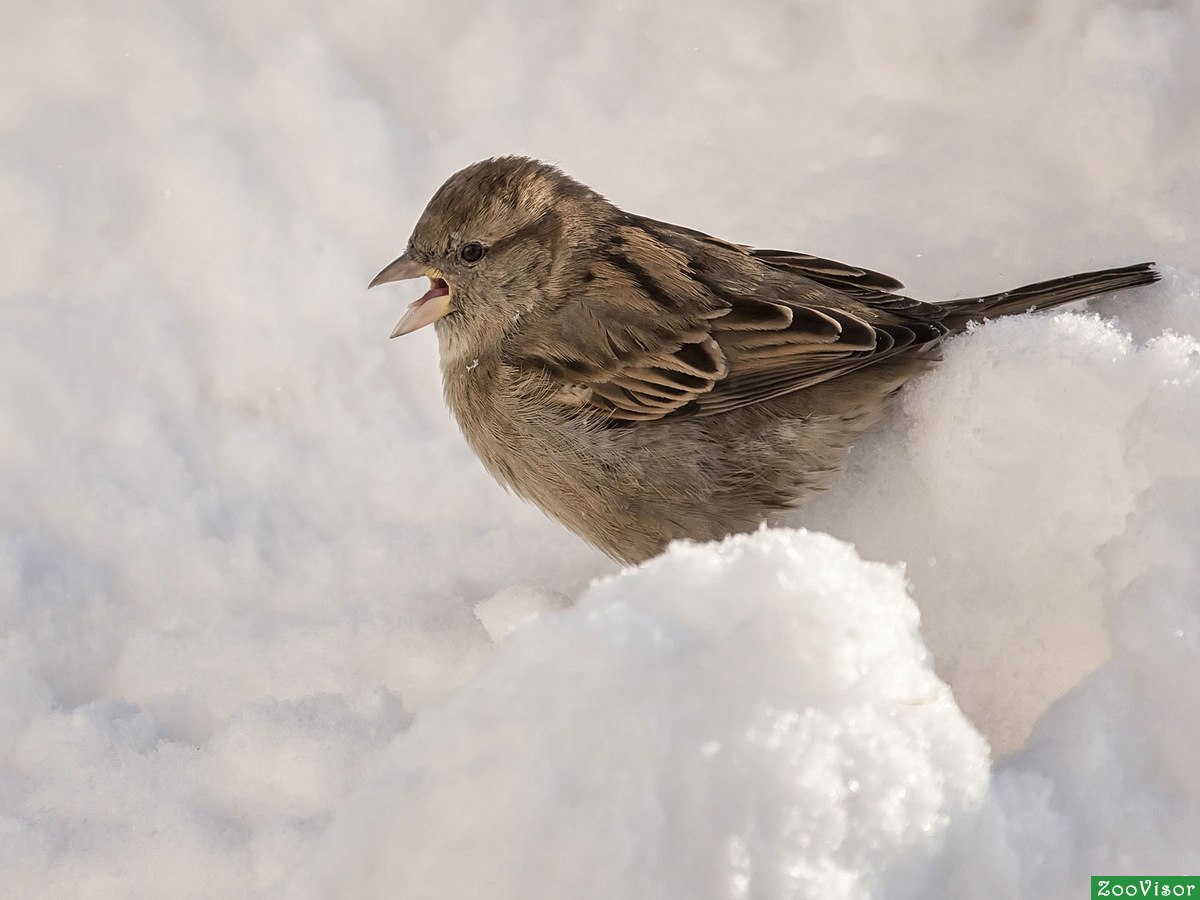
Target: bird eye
{"type": "Point", "coordinates": [472, 252]}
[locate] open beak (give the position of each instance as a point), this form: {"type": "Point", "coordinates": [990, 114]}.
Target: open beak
{"type": "Point", "coordinates": [425, 310]}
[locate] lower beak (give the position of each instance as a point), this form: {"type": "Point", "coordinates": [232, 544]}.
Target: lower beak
{"type": "Point", "coordinates": [426, 310]}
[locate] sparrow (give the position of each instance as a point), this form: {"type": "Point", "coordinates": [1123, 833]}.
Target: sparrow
{"type": "Point", "coordinates": [642, 382]}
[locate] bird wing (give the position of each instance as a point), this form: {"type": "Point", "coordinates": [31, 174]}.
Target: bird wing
{"type": "Point", "coordinates": [672, 322]}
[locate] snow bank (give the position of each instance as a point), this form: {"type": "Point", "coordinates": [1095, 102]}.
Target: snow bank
{"type": "Point", "coordinates": [1003, 478]}
{"type": "Point", "coordinates": [753, 719]}
{"type": "Point", "coordinates": [242, 546]}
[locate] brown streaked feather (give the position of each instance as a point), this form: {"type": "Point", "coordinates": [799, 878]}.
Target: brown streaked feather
{"type": "Point", "coordinates": [672, 322]}
{"type": "Point", "coordinates": [872, 288]}
{"type": "Point", "coordinates": [828, 271]}
{"type": "Point", "coordinates": [770, 379]}
{"type": "Point", "coordinates": [758, 315]}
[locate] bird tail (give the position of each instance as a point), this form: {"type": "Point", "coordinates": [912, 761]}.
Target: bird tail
{"type": "Point", "coordinates": [1045, 294]}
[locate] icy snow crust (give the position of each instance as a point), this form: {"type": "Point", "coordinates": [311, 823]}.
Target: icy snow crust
{"type": "Point", "coordinates": [267, 629]}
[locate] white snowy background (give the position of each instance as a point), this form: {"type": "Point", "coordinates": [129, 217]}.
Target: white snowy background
{"type": "Point", "coordinates": [255, 591]}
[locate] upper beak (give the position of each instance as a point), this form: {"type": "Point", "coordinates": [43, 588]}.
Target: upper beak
{"type": "Point", "coordinates": [400, 270]}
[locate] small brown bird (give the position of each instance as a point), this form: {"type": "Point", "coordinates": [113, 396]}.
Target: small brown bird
{"type": "Point", "coordinates": [643, 382]}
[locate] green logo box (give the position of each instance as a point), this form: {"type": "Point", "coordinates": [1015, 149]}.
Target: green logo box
{"type": "Point", "coordinates": [1146, 886]}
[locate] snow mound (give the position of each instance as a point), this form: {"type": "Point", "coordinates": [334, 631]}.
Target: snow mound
{"type": "Point", "coordinates": [757, 718]}
{"type": "Point", "coordinates": [1005, 476]}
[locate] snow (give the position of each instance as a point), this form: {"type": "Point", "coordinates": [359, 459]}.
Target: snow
{"type": "Point", "coordinates": [755, 718]}
{"type": "Point", "coordinates": [1030, 449]}
{"type": "Point", "coordinates": [269, 629]}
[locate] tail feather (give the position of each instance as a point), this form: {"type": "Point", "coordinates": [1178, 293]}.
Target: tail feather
{"type": "Point", "coordinates": [1045, 294]}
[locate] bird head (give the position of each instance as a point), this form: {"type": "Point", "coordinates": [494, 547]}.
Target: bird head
{"type": "Point", "coordinates": [490, 242]}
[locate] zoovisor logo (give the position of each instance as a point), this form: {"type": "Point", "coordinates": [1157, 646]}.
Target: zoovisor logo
{"type": "Point", "coordinates": [1146, 886]}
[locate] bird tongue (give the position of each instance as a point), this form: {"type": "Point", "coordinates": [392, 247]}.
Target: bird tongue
{"type": "Point", "coordinates": [437, 288]}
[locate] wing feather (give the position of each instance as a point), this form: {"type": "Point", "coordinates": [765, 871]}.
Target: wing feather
{"type": "Point", "coordinates": [670, 322]}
